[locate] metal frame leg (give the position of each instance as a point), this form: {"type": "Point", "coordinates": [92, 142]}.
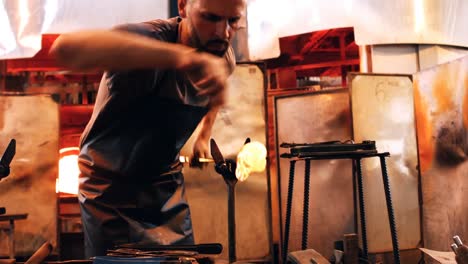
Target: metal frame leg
{"type": "Point", "coordinates": [287, 223]}
{"type": "Point", "coordinates": [232, 223]}
{"type": "Point", "coordinates": [362, 210]}
{"type": "Point", "coordinates": [305, 211]}
{"type": "Point", "coordinates": [11, 237]}
{"type": "Point", "coordinates": [391, 216]}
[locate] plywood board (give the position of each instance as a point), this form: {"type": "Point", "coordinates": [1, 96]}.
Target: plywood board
{"type": "Point", "coordinates": [441, 103]}
{"type": "Point", "coordinates": [242, 117]}
{"type": "Point", "coordinates": [308, 118]}
{"type": "Point", "coordinates": [30, 188]}
{"type": "Point", "coordinates": [383, 111]}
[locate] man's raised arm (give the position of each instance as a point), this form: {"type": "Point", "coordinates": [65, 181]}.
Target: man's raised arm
{"type": "Point", "coordinates": [121, 50]}
{"type": "Point", "coordinates": [118, 50]}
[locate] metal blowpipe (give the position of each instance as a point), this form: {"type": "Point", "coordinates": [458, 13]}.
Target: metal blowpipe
{"type": "Point", "coordinates": [186, 159]}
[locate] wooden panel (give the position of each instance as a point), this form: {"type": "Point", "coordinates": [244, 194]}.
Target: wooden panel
{"type": "Point", "coordinates": [382, 107]}
{"type": "Point", "coordinates": [242, 117]}
{"type": "Point", "coordinates": [34, 122]}
{"type": "Point", "coordinates": [441, 104]}
{"type": "Point", "coordinates": [308, 118]}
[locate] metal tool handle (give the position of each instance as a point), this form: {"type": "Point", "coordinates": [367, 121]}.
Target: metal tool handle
{"type": "Point", "coordinates": [454, 247]}
{"type": "Point", "coordinates": [40, 254]}
{"type": "Point", "coordinates": [209, 248]}
{"type": "Point", "coordinates": [457, 241]}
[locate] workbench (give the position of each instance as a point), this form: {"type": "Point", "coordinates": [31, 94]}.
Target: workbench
{"type": "Point", "coordinates": [9, 229]}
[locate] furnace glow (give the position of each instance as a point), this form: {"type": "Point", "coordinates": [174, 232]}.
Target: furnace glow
{"type": "Point", "coordinates": [67, 181]}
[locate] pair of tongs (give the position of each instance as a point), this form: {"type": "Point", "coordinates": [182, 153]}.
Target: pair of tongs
{"type": "Point", "coordinates": [227, 169]}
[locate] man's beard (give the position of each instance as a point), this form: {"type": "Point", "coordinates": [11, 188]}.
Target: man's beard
{"type": "Point", "coordinates": [196, 42]}
{"type": "Point", "coordinates": [217, 52]}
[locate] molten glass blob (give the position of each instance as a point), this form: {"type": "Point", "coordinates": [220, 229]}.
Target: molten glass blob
{"type": "Point", "coordinates": [251, 158]}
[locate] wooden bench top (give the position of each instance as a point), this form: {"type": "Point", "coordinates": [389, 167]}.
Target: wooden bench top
{"type": "Point", "coordinates": [8, 217]}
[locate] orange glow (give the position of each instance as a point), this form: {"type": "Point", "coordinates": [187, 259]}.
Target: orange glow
{"type": "Point", "coordinates": [67, 181]}
{"type": "Point", "coordinates": [424, 131]}
{"type": "Point", "coordinates": [442, 92]}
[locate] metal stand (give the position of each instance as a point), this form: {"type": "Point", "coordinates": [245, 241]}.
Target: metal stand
{"type": "Point", "coordinates": [228, 171]}
{"type": "Point", "coordinates": [356, 156]}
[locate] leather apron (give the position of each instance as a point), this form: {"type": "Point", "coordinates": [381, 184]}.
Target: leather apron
{"type": "Point", "coordinates": [131, 184]}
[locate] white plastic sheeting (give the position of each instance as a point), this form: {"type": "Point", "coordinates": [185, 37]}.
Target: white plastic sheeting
{"type": "Point", "coordinates": [23, 21]}
{"type": "Point", "coordinates": [374, 21]}
{"type": "Point", "coordinates": [270, 19]}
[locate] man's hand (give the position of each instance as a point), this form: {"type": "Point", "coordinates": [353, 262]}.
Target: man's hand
{"type": "Point", "coordinates": [462, 254]}
{"type": "Point", "coordinates": [200, 150]}
{"type": "Point", "coordinates": [208, 74]}
{"type": "Point", "coordinates": [200, 146]}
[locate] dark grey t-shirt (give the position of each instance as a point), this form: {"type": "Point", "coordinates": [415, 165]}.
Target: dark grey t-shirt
{"type": "Point", "coordinates": [132, 121]}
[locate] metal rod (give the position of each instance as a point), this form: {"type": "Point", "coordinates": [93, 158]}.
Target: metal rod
{"type": "Point", "coordinates": [391, 216]}
{"type": "Point", "coordinates": [287, 223]}
{"type": "Point", "coordinates": [362, 209]}
{"type": "Point", "coordinates": [305, 216]}
{"type": "Point", "coordinates": [232, 222]}
{"type": "Point", "coordinates": [186, 159]}
{"type": "Point", "coordinates": [355, 197]}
